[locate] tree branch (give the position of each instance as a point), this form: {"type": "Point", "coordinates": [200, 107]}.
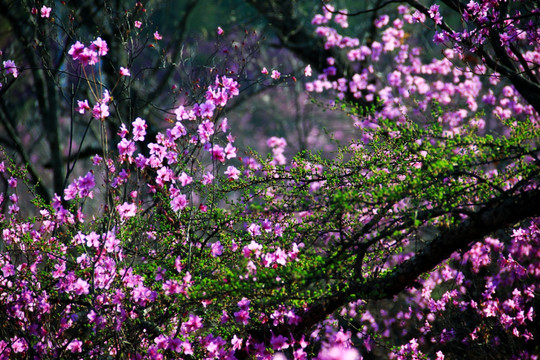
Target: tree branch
{"type": "Point", "coordinates": [499, 214]}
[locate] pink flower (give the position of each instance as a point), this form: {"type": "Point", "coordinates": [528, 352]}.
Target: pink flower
{"type": "Point", "coordinates": [207, 109]}
{"type": "Point", "coordinates": [126, 147]}
{"type": "Point", "coordinates": [139, 129]}
{"type": "Point", "coordinates": [100, 47]}
{"type": "Point", "coordinates": [75, 346]}
{"type": "Point", "coordinates": [220, 31]}
{"type": "Point", "coordinates": [207, 178]}
{"type": "Point", "coordinates": [230, 151]}
{"type": "Point", "coordinates": [244, 304]}
{"type": "Point", "coordinates": [418, 17]}
{"type": "Point", "coordinates": [183, 114]}
{"type": "Point", "coordinates": [88, 57]}
{"type": "Point", "coordinates": [18, 345]}
{"type": "Point", "coordinates": [100, 111]}
{"type": "Point", "coordinates": [76, 50]}
{"type": "Point", "coordinates": [505, 39]}
{"type": "Point", "coordinates": [434, 14]}
{"type": "Point", "coordinates": [8, 270]}
{"type": "Point", "coordinates": [307, 71]}
{"type": "Point", "coordinates": [218, 153]}
{"type": "Point", "coordinates": [126, 210]}
{"type": "Point", "coordinates": [157, 36]}
{"type": "Point", "coordinates": [81, 287]}
{"type": "Point", "coordinates": [85, 184]}
{"type": "Point", "coordinates": [264, 71]}
{"type": "Point", "coordinates": [279, 342]}
{"type": "Point", "coordinates": [124, 71]}
{"type": "Point", "coordinates": [338, 353]}
{"type": "Point", "coordinates": [138, 24]}
{"type": "Point", "coordinates": [106, 97]}
{"type": "Point", "coordinates": [382, 21]}
{"type": "Point", "coordinates": [185, 179]}
{"type": "Point", "coordinates": [232, 173]}
{"type": "Point", "coordinates": [439, 37]}
{"type": "Point", "coordinates": [45, 12]}
{"type": "Point", "coordinates": [178, 202]}
{"type": "Point", "coordinates": [254, 230]}
{"type": "Point", "coordinates": [242, 317]}
{"type": "Point", "coordinates": [194, 323]}
{"type": "Point", "coordinates": [216, 249]}
{"type": "Point", "coordinates": [275, 74]}
{"type": "Point", "coordinates": [341, 19]}
{"type": "Point", "coordinates": [93, 240]}
{"type": "Point", "coordinates": [82, 106]}
{"type": "Point", "coordinates": [142, 295]}
{"type": "Point", "coordinates": [111, 242]}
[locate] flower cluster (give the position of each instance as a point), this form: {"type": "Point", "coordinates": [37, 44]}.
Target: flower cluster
{"type": "Point", "coordinates": [9, 67]}
{"type": "Point", "coordinates": [89, 55]}
{"type": "Point", "coordinates": [175, 245]}
{"type": "Point", "coordinates": [411, 84]}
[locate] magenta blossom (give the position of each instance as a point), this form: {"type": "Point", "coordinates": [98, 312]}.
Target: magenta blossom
{"type": "Point", "coordinates": [82, 106]}
{"type": "Point", "coordinates": [45, 12]}
{"type": "Point", "coordinates": [124, 71]}
{"type": "Point", "coordinates": [10, 68]}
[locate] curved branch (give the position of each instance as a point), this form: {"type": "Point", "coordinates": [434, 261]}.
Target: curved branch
{"type": "Point", "coordinates": [500, 213]}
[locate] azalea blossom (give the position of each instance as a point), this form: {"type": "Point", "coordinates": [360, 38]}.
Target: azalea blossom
{"type": "Point", "coordinates": [307, 71]}
{"type": "Point", "coordinates": [100, 46]}
{"type": "Point", "coordinates": [76, 50]}
{"type": "Point", "coordinates": [124, 71]}
{"type": "Point", "coordinates": [139, 129]}
{"type": "Point", "coordinates": [10, 68]}
{"type": "Point", "coordinates": [45, 12]}
{"type": "Point", "coordinates": [126, 210]}
{"type": "Point", "coordinates": [100, 111]}
{"type": "Point", "coordinates": [207, 178]}
{"type": "Point", "coordinates": [232, 173]}
{"type": "Point", "coordinates": [82, 106]}
{"type": "Point", "coordinates": [75, 346]}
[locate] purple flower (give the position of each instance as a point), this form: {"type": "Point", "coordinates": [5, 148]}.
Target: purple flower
{"type": "Point", "coordinates": [81, 287]}
{"type": "Point", "coordinates": [10, 68]}
{"type": "Point", "coordinates": [216, 249]}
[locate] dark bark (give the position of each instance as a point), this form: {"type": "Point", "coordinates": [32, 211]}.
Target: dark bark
{"type": "Point", "coordinates": [44, 84]}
